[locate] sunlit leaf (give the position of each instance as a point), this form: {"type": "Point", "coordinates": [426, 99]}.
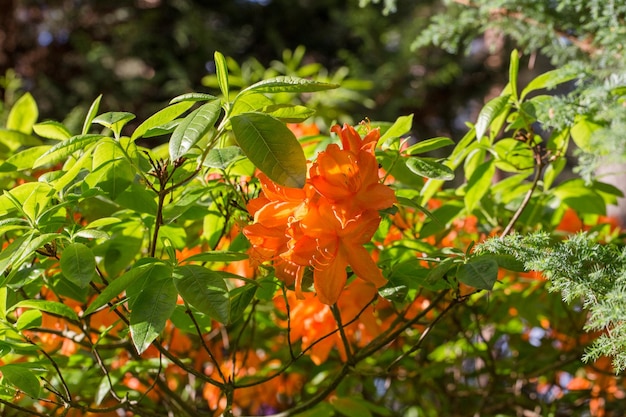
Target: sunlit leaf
{"type": "Point", "coordinates": [272, 147]}
{"type": "Point", "coordinates": [428, 145]}
{"type": "Point", "coordinates": [152, 308]}
{"type": "Point", "coordinates": [161, 117]}
{"type": "Point", "coordinates": [52, 307]}
{"type": "Point", "coordinates": [478, 184]}
{"type": "Point", "coordinates": [204, 289]}
{"type": "Point", "coordinates": [400, 127]}
{"type": "Point", "coordinates": [78, 264]}
{"type": "Point", "coordinates": [52, 130]}
{"type": "Point", "coordinates": [430, 168]}
{"type": "Point", "coordinates": [492, 109]}
{"type": "Point", "coordinates": [221, 70]}
{"type": "Point", "coordinates": [193, 128]}
{"type": "Point", "coordinates": [23, 114]}
{"type": "Point", "coordinates": [62, 150]}
{"type": "Point", "coordinates": [91, 114]}
{"type": "Point", "coordinates": [192, 97]}
{"type": "Point", "coordinates": [288, 84]}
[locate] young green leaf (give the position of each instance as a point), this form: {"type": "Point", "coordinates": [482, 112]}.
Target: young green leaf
{"type": "Point", "coordinates": [193, 97]}
{"type": "Point", "coordinates": [23, 115]}
{"type": "Point", "coordinates": [52, 130]}
{"type": "Point", "coordinates": [62, 150]}
{"type": "Point", "coordinates": [272, 147]}
{"type": "Point", "coordinates": [114, 121]}
{"type": "Point", "coordinates": [430, 168]}
{"type": "Point", "coordinates": [161, 117]}
{"type": "Point", "coordinates": [221, 158]}
{"type": "Point", "coordinates": [428, 145]}
{"type": "Point", "coordinates": [287, 84]}
{"type": "Point", "coordinates": [400, 127]}
{"type": "Point", "coordinates": [152, 308]}
{"type": "Point", "coordinates": [29, 319]}
{"type": "Point", "coordinates": [492, 109]}
{"type": "Point", "coordinates": [513, 71]}
{"type": "Point", "coordinates": [52, 307]}
{"type": "Point", "coordinates": [78, 264]}
{"type": "Point", "coordinates": [217, 256]}
{"type": "Point", "coordinates": [549, 79]}
{"type": "Point", "coordinates": [204, 289]}
{"type": "Point", "coordinates": [288, 113]}
{"type": "Point", "coordinates": [93, 111]}
{"type": "Point", "coordinates": [221, 70]}
{"type": "Point", "coordinates": [240, 298]}
{"type": "Point", "coordinates": [24, 159]}
{"type": "Point", "coordinates": [478, 184]}
{"type": "Point", "coordinates": [193, 128]}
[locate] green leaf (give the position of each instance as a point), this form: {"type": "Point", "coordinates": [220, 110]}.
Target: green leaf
{"type": "Point", "coordinates": [161, 117]}
{"type": "Point", "coordinates": [428, 145]}
{"type": "Point", "coordinates": [221, 158]}
{"type": "Point", "coordinates": [52, 307]}
{"type": "Point", "coordinates": [577, 195]}
{"type": "Point", "coordinates": [11, 140]}
{"type": "Point", "coordinates": [204, 289]}
{"type": "Point", "coordinates": [120, 284]}
{"type": "Point", "coordinates": [23, 114]}
{"type": "Point", "coordinates": [272, 147]}
{"type": "Point", "coordinates": [150, 311]}
{"type": "Point", "coordinates": [478, 184]}
{"type": "Point", "coordinates": [52, 130]}
{"type": "Point", "coordinates": [24, 159]}
{"type": "Point", "coordinates": [78, 264]}
{"type": "Point", "coordinates": [29, 319]}
{"type": "Point", "coordinates": [62, 150]}
{"type": "Point", "coordinates": [480, 272]}
{"type": "Point", "coordinates": [287, 84]}
{"type": "Point", "coordinates": [513, 71]}
{"type": "Point", "coordinates": [240, 298]}
{"type": "Point", "coordinates": [250, 102]}
{"type": "Point", "coordinates": [288, 113]}
{"type": "Point", "coordinates": [435, 280]}
{"type": "Point", "coordinates": [192, 97]}
{"type": "Point", "coordinates": [221, 70]}
{"type": "Point", "coordinates": [193, 128]}
{"type": "Point", "coordinates": [114, 120]}
{"type": "Point", "coordinates": [22, 378]}
{"type": "Point", "coordinates": [488, 113]}
{"type": "Point", "coordinates": [581, 132]}
{"type": "Point", "coordinates": [430, 168]}
{"type": "Point", "coordinates": [217, 256]}
{"type": "Point", "coordinates": [400, 127]}
{"type": "Point", "coordinates": [549, 79]}
{"type": "Point", "coordinates": [350, 407]}
{"type": "Point", "coordinates": [30, 199]}
{"type": "Point", "coordinates": [93, 111]}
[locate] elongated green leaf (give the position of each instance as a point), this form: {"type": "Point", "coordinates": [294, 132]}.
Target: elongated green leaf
{"type": "Point", "coordinates": [400, 127]}
{"type": "Point", "coordinates": [240, 298]}
{"type": "Point", "coordinates": [193, 97]}
{"type": "Point", "coordinates": [480, 272]}
{"type": "Point", "coordinates": [513, 71]}
{"type": "Point", "coordinates": [272, 147]}
{"type": "Point", "coordinates": [193, 128]}
{"type": "Point", "coordinates": [64, 180]}
{"type": "Point", "coordinates": [582, 131]}
{"type": "Point", "coordinates": [221, 158]}
{"type": "Point", "coordinates": [161, 117]}
{"type": "Point", "coordinates": [52, 130]}
{"type": "Point", "coordinates": [478, 184]}
{"type": "Point", "coordinates": [11, 140]}
{"type": "Point", "coordinates": [221, 70]}
{"type": "Point", "coordinates": [24, 159]}
{"type": "Point", "coordinates": [78, 264]}
{"type": "Point", "coordinates": [430, 168]}
{"type": "Point", "coordinates": [62, 150]}
{"type": "Point", "coordinates": [250, 102]}
{"type": "Point", "coordinates": [9, 254]}
{"type": "Point", "coordinates": [217, 256]}
{"type": "Point", "coordinates": [91, 113]}
{"type": "Point", "coordinates": [20, 376]}
{"type": "Point", "coordinates": [428, 145]}
{"type": "Point", "coordinates": [114, 120]}
{"type": "Point", "coordinates": [151, 309]}
{"type": "Point", "coordinates": [492, 109]}
{"type": "Point", "coordinates": [204, 289]}
{"type": "Point", "coordinates": [549, 79]}
{"type": "Point", "coordinates": [52, 307]}
{"type": "Point", "coordinates": [288, 113]}
{"type": "Point", "coordinates": [23, 114]}
{"type": "Point", "coordinates": [119, 285]}
{"type": "Point", "coordinates": [29, 319]}
{"type": "Point", "coordinates": [287, 84]}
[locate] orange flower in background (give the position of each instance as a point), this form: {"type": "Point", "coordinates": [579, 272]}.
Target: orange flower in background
{"type": "Point", "coordinates": [325, 224]}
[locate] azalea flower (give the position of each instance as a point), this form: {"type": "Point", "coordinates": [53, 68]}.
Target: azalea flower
{"type": "Point", "coordinates": [325, 224]}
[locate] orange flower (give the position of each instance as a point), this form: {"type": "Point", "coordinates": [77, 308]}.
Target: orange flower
{"type": "Point", "coordinates": [325, 224]}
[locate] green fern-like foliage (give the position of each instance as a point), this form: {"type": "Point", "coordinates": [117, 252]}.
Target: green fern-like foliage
{"type": "Point", "coordinates": [580, 269]}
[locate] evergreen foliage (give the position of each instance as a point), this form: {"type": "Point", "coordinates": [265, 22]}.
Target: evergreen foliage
{"type": "Point", "coordinates": [583, 271]}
